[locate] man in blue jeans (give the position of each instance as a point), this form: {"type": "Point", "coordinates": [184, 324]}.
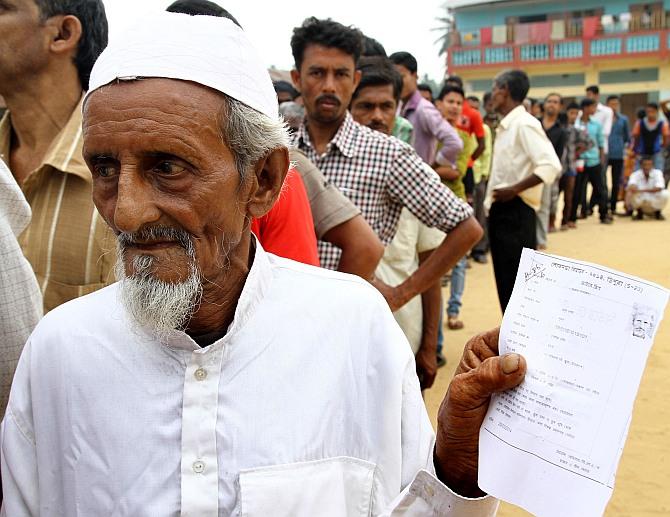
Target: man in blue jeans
{"type": "Point", "coordinates": [618, 140]}
{"type": "Point", "coordinates": [593, 158]}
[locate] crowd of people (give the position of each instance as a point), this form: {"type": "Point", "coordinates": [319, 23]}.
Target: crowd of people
{"type": "Point", "coordinates": [176, 232]}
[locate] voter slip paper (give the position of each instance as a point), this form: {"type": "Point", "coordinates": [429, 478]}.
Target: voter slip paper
{"type": "Point", "coordinates": [552, 445]}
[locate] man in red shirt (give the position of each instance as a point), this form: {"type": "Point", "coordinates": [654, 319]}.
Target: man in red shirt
{"type": "Point", "coordinates": [287, 229]}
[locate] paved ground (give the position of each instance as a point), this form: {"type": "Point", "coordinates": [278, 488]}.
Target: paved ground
{"type": "Point", "coordinates": [641, 248]}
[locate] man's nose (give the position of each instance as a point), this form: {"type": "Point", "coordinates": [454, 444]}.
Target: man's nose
{"type": "Point", "coordinates": [329, 83]}
{"type": "Point", "coordinates": [135, 202]}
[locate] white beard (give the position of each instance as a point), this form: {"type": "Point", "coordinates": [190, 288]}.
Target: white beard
{"type": "Point", "coordinates": [159, 306]}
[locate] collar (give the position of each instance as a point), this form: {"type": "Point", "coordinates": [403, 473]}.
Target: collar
{"type": "Point", "coordinates": [344, 139]}
{"type": "Point", "coordinates": [512, 116]}
{"type": "Point", "coordinates": [255, 289]}
{"type": "Point", "coordinates": [64, 153]}
{"type": "Point", "coordinates": [413, 102]}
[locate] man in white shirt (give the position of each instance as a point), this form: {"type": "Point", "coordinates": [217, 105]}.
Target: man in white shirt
{"type": "Point", "coordinates": [523, 159]}
{"type": "Point", "coordinates": [214, 378]}
{"type": "Point", "coordinates": [646, 190]}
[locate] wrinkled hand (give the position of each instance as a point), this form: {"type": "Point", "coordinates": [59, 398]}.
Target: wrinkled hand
{"type": "Point", "coordinates": [426, 366]}
{"type": "Point", "coordinates": [389, 293]}
{"type": "Point", "coordinates": [505, 194]}
{"type": "Point", "coordinates": [480, 373]}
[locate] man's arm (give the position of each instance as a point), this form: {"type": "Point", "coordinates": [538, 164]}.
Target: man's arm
{"type": "Point", "coordinates": [426, 357]}
{"type": "Point", "coordinates": [452, 144]}
{"type": "Point", "coordinates": [361, 248]}
{"type": "Point", "coordinates": [481, 145]}
{"type": "Point", "coordinates": [456, 244]}
{"type": "Point", "coordinates": [480, 373]}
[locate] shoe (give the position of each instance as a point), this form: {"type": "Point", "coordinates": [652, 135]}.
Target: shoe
{"type": "Point", "coordinates": [552, 229]}
{"type": "Point", "coordinates": [441, 360]}
{"type": "Point", "coordinates": [606, 221]}
{"type": "Point", "coordinates": [453, 323]}
{"type": "Point", "coordinates": [629, 213]}
{"type": "Point", "coordinates": [572, 225]}
{"type": "Point", "coordinates": [564, 227]}
{"type": "Point", "coordinates": [480, 258]}
{"type": "Point", "coordinates": [639, 216]}
{"type": "Point", "coordinates": [659, 216]}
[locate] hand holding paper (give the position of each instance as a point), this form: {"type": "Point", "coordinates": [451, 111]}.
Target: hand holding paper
{"type": "Point", "coordinates": [552, 445]}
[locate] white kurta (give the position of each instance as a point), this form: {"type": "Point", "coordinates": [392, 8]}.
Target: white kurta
{"type": "Point", "coordinates": [309, 405]}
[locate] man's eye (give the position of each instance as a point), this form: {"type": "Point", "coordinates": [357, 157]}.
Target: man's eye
{"type": "Point", "coordinates": [168, 168]}
{"type": "Point", "coordinates": [105, 171]}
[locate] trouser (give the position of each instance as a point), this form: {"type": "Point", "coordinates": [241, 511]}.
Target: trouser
{"type": "Point", "coordinates": [511, 228]}
{"type": "Point", "coordinates": [592, 175]}
{"type": "Point", "coordinates": [480, 214]}
{"type": "Point", "coordinates": [542, 216]}
{"type": "Point", "coordinates": [603, 181]}
{"type": "Point", "coordinates": [457, 286]}
{"type": "Point", "coordinates": [469, 182]}
{"type": "Point", "coordinates": [616, 171]}
{"type": "Point", "coordinates": [567, 185]}
{"type": "Point", "coordinates": [647, 202]}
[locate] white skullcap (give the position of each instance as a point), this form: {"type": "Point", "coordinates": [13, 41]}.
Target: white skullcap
{"type": "Point", "coordinates": [207, 50]}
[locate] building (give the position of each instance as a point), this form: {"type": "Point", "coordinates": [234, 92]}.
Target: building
{"type": "Point", "coordinates": [565, 46]}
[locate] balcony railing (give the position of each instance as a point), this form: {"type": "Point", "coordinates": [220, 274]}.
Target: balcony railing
{"type": "Point", "coordinates": [606, 46]}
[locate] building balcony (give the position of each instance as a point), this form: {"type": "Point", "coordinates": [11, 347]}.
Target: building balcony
{"type": "Point", "coordinates": [583, 50]}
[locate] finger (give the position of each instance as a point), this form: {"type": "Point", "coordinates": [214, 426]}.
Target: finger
{"type": "Point", "coordinates": [482, 346]}
{"type": "Point", "coordinates": [472, 389]}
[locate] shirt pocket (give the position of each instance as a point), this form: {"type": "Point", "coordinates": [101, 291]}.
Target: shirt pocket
{"type": "Point", "coordinates": [336, 487]}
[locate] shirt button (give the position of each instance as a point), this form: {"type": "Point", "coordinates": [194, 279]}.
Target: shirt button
{"type": "Point", "coordinates": [200, 374]}
{"type": "Point", "coordinates": [198, 466]}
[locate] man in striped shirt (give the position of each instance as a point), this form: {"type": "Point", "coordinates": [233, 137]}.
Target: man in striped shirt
{"type": "Point", "coordinates": [46, 54]}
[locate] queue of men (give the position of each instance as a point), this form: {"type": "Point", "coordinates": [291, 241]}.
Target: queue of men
{"type": "Point", "coordinates": [203, 351]}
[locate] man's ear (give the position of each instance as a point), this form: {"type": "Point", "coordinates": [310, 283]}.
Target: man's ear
{"type": "Point", "coordinates": [66, 35]}
{"type": "Point", "coordinates": [268, 181]}
{"type": "Point", "coordinates": [295, 78]}
{"type": "Point", "coordinates": [357, 78]}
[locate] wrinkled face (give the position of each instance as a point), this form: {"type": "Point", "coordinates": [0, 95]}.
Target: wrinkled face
{"type": "Point", "coordinates": [24, 40]}
{"type": "Point", "coordinates": [409, 81]}
{"type": "Point", "coordinates": [643, 325]}
{"type": "Point", "coordinates": [572, 116]}
{"type": "Point", "coordinates": [375, 107]}
{"type": "Point", "coordinates": [158, 162]}
{"type": "Point", "coordinates": [499, 95]}
{"type": "Point", "coordinates": [327, 79]}
{"type": "Point", "coordinates": [552, 105]}
{"type": "Point", "coordinates": [451, 106]}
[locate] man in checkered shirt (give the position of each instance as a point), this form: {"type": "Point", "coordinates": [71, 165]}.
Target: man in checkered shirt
{"type": "Point", "coordinates": [379, 173]}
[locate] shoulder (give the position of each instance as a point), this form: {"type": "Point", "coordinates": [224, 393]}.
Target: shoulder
{"type": "Point", "coordinates": [96, 314]}
{"type": "Point", "coordinates": [323, 292]}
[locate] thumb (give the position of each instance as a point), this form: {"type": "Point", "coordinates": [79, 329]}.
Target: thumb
{"type": "Point", "coordinates": [495, 374]}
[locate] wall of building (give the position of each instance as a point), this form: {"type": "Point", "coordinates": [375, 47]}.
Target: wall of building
{"type": "Point", "coordinates": [473, 18]}
{"type": "Point", "coordinates": [657, 85]}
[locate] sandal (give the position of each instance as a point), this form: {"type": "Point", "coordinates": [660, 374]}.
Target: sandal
{"type": "Point", "coordinates": [454, 323]}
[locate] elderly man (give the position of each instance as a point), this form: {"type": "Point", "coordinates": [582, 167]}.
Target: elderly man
{"type": "Point", "coordinates": [214, 379]}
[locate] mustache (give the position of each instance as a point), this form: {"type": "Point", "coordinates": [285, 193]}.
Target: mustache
{"type": "Point", "coordinates": [156, 233]}
{"type": "Point", "coordinates": [328, 97]}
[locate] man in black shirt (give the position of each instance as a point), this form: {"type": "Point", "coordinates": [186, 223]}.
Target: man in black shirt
{"type": "Point", "coordinates": [558, 136]}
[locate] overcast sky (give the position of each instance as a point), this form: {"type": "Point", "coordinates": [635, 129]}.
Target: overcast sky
{"type": "Point", "coordinates": [398, 26]}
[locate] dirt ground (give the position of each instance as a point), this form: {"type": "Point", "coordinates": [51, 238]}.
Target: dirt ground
{"type": "Point", "coordinates": [640, 248]}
